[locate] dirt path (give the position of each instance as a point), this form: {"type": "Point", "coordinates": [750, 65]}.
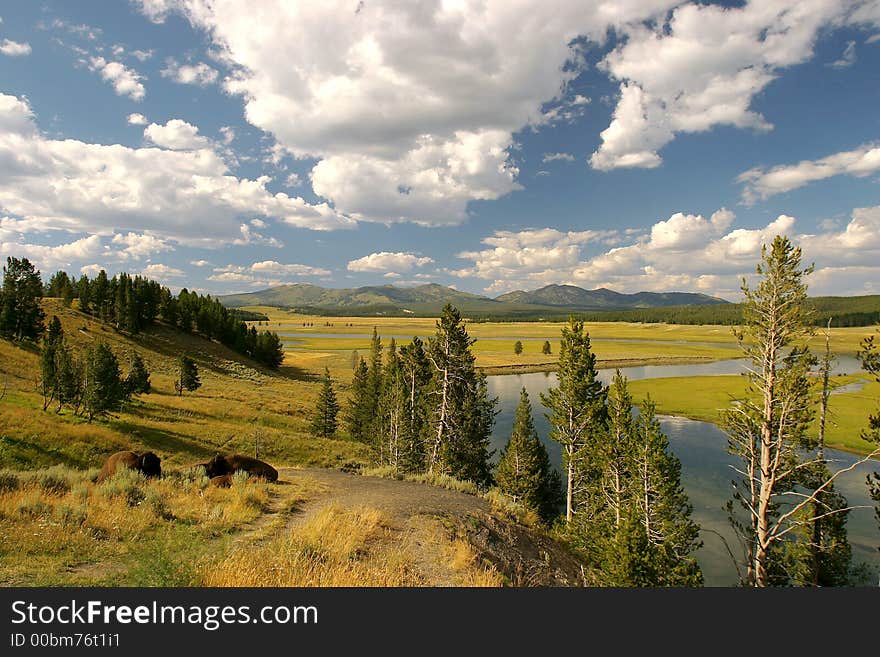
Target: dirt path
{"type": "Point", "coordinates": [398, 500]}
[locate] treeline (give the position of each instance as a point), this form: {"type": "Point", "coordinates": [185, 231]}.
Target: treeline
{"type": "Point", "coordinates": [130, 304]}
{"type": "Point", "coordinates": [248, 315]}
{"type": "Point", "coordinates": [844, 311]}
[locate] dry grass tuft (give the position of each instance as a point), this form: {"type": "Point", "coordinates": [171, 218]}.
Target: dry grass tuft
{"type": "Point", "coordinates": [336, 547]}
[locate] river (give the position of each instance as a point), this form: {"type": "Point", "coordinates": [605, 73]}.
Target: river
{"type": "Point", "coordinates": [706, 472]}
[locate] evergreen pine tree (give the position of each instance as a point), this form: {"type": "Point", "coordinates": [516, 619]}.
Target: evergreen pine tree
{"type": "Point", "coordinates": [607, 479]}
{"type": "Point", "coordinates": [358, 414]}
{"type": "Point", "coordinates": [21, 315]}
{"type": "Point", "coordinates": [576, 408]}
{"type": "Point", "coordinates": [52, 340]}
{"type": "Point", "coordinates": [327, 408]}
{"type": "Point", "coordinates": [461, 412]}
{"type": "Point", "coordinates": [187, 375]}
{"type": "Point", "coordinates": [103, 389]}
{"type": "Point", "coordinates": [767, 430]}
{"type": "Point", "coordinates": [661, 506]}
{"type": "Point", "coordinates": [518, 347]}
{"type": "Point", "coordinates": [869, 356]}
{"type": "Point", "coordinates": [391, 416]}
{"type": "Point", "coordinates": [69, 378]}
{"type": "Point", "coordinates": [417, 375]}
{"type": "Point", "coordinates": [57, 283]}
{"type": "Point", "coordinates": [524, 471]}
{"type": "Point", "coordinates": [137, 382]}
{"type": "Point", "coordinates": [84, 294]}
{"type": "Point", "coordinates": [374, 383]}
{"type": "Point", "coordinates": [99, 291]}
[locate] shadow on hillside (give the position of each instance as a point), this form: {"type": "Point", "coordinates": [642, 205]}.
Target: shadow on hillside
{"type": "Point", "coordinates": [297, 374]}
{"type": "Point", "coordinates": [164, 442]}
{"type": "Point", "coordinates": [20, 453]}
{"type": "Point", "coordinates": [160, 413]}
{"type": "Point", "coordinates": [214, 356]}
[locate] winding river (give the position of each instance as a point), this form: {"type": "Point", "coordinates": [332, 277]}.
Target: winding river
{"type": "Point", "coordinates": [706, 473]}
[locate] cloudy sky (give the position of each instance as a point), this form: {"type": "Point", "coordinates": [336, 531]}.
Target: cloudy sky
{"type": "Point", "coordinates": [487, 144]}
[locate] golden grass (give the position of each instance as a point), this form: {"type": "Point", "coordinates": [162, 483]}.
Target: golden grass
{"type": "Point", "coordinates": [469, 570]}
{"type": "Point", "coordinates": [336, 547]}
{"type": "Point", "coordinates": [339, 547]}
{"type": "Point", "coordinates": [57, 527]}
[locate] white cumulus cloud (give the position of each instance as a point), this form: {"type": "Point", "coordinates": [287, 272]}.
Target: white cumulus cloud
{"type": "Point", "coordinates": [14, 48]}
{"type": "Point", "coordinates": [186, 196]}
{"type": "Point", "coordinates": [176, 135]}
{"type": "Point", "coordinates": [54, 257]}
{"type": "Point", "coordinates": [162, 272]}
{"type": "Point", "coordinates": [763, 183]}
{"type": "Point", "coordinates": [702, 66]}
{"type": "Point", "coordinates": [409, 107]}
{"type": "Point", "coordinates": [199, 74]}
{"type": "Point", "coordinates": [388, 262]}
{"type": "Point", "coordinates": [125, 81]}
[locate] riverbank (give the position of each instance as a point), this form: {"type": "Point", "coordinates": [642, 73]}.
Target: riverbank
{"type": "Point", "coordinates": [609, 364]}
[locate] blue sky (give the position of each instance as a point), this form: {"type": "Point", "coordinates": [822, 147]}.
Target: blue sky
{"type": "Point", "coordinates": [651, 145]}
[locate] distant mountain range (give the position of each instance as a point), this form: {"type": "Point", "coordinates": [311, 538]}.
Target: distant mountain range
{"type": "Point", "coordinates": [429, 299]}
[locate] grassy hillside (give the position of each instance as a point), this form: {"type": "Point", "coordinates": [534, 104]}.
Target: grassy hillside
{"type": "Point", "coordinates": [239, 402]}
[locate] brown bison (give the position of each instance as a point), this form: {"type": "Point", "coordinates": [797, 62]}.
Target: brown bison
{"type": "Point", "coordinates": [147, 463]}
{"type": "Point", "coordinates": [222, 465]}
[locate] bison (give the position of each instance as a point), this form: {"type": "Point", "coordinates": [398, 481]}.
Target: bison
{"type": "Point", "coordinates": [147, 463]}
{"type": "Point", "coordinates": [222, 465]}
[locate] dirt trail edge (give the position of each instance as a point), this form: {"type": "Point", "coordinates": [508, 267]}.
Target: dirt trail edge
{"type": "Point", "coordinates": [523, 555]}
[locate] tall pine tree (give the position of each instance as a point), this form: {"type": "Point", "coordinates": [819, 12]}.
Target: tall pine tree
{"type": "Point", "coordinates": [21, 314]}
{"type": "Point", "coordinates": [576, 408]}
{"type": "Point", "coordinates": [187, 375]}
{"type": "Point", "coordinates": [391, 416]}
{"type": "Point", "coordinates": [52, 341]}
{"type": "Point", "coordinates": [324, 420]}
{"type": "Point", "coordinates": [524, 471]}
{"type": "Point", "coordinates": [358, 414]}
{"type": "Point", "coordinates": [416, 371]}
{"type": "Point", "coordinates": [102, 390]}
{"type": "Point", "coordinates": [461, 412]}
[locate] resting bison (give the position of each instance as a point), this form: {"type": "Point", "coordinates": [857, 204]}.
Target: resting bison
{"type": "Point", "coordinates": [146, 463]}
{"type": "Point", "coordinates": [223, 465]}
